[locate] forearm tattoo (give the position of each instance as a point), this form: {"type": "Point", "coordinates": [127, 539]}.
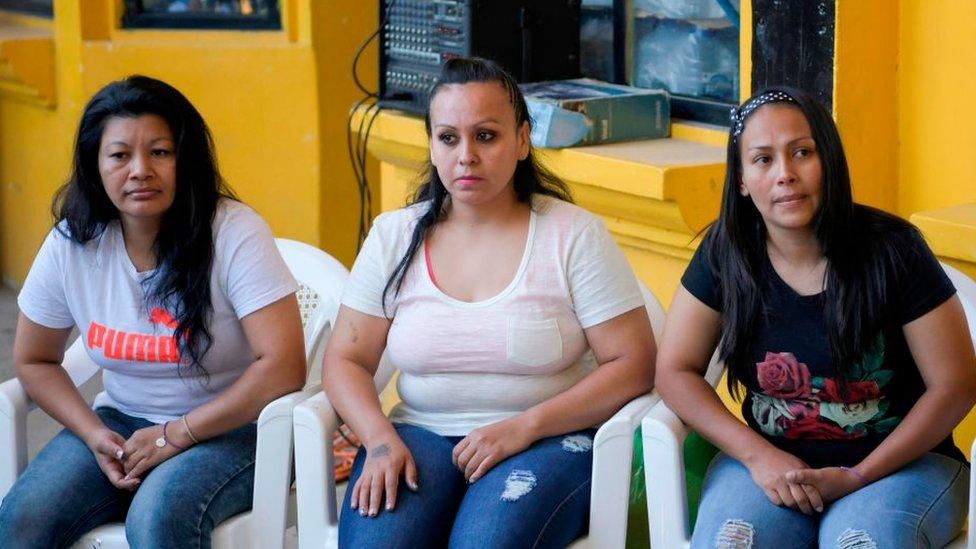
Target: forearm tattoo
{"type": "Point", "coordinates": [381, 450]}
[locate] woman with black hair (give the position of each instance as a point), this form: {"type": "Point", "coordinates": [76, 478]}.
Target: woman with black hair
{"type": "Point", "coordinates": [183, 299]}
{"type": "Point", "coordinates": [487, 293]}
{"type": "Point", "coordinates": [846, 335]}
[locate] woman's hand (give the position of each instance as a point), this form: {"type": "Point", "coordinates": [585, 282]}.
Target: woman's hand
{"type": "Point", "coordinates": [106, 445]}
{"type": "Point", "coordinates": [386, 459]}
{"type": "Point", "coordinates": [769, 471]}
{"type": "Point", "coordinates": [140, 453]}
{"type": "Point", "coordinates": [487, 446]}
{"type": "Point", "coordinates": [833, 483]}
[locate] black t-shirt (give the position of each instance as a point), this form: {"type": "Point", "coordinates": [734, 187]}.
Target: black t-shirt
{"type": "Point", "coordinates": [793, 397]}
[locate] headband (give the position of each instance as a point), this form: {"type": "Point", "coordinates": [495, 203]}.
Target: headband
{"type": "Point", "coordinates": [738, 115]}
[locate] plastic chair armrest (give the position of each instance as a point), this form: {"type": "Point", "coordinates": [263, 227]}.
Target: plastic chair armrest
{"type": "Point", "coordinates": [318, 516]}
{"type": "Point", "coordinates": [613, 450]}
{"type": "Point", "coordinates": [667, 501]}
{"type": "Point", "coordinates": [272, 470]}
{"type": "Point", "coordinates": [14, 406]}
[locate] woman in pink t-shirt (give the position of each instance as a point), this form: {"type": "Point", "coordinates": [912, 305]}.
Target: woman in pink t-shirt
{"type": "Point", "coordinates": [516, 325]}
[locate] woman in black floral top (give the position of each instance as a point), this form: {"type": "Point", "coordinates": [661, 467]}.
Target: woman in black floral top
{"type": "Point", "coordinates": [843, 334]}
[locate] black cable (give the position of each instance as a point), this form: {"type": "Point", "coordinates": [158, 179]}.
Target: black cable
{"type": "Point", "coordinates": [358, 157]}
{"type": "Point", "coordinates": [358, 166]}
{"type": "Point", "coordinates": [368, 194]}
{"type": "Point", "coordinates": [362, 47]}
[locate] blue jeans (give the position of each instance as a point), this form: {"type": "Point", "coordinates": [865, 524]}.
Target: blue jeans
{"type": "Point", "coordinates": [63, 494]}
{"type": "Point", "coordinates": [922, 505]}
{"type": "Point", "coordinates": [537, 498]}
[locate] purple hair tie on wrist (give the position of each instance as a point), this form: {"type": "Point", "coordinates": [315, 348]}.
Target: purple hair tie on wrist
{"type": "Point", "coordinates": [853, 472]}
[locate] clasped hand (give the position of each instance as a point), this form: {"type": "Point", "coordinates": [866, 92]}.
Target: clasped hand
{"type": "Point", "coordinates": [123, 461]}
{"type": "Point", "coordinates": [788, 481]}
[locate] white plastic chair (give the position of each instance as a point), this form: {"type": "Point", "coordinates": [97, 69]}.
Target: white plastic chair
{"type": "Point", "coordinates": [321, 279]}
{"type": "Point", "coordinates": [318, 510]}
{"type": "Point", "coordinates": [664, 468]}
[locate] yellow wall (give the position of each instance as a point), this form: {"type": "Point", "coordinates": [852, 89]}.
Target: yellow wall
{"type": "Point", "coordinates": [865, 105]}
{"type": "Point", "coordinates": [275, 101]}
{"type": "Point", "coordinates": [937, 113]}
{"type": "Point", "coordinates": [338, 29]}
{"type": "Point", "coordinates": [34, 150]}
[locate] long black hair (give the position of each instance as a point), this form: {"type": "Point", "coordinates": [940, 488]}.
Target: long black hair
{"type": "Point", "coordinates": [862, 245]}
{"type": "Point", "coordinates": [184, 246]}
{"type": "Point", "coordinates": [530, 177]}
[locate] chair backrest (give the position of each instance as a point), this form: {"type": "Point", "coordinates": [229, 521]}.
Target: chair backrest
{"type": "Point", "coordinates": [966, 289]}
{"type": "Point", "coordinates": [654, 311]}
{"type": "Point", "coordinates": [321, 279]}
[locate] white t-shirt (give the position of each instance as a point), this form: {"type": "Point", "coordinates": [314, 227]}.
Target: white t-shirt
{"type": "Point", "coordinates": [465, 365]}
{"type": "Point", "coordinates": [96, 287]}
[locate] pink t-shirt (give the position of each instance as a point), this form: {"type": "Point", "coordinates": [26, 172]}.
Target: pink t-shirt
{"type": "Point", "coordinates": [464, 365]}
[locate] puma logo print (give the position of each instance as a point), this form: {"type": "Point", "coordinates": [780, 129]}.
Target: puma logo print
{"type": "Point", "coordinates": [119, 345]}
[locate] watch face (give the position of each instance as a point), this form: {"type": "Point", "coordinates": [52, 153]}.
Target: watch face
{"type": "Point", "coordinates": [160, 442]}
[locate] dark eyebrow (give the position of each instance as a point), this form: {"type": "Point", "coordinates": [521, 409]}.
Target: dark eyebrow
{"type": "Point", "coordinates": [478, 123]}
{"type": "Point", "coordinates": [156, 140]}
{"type": "Point", "coordinates": [793, 142]}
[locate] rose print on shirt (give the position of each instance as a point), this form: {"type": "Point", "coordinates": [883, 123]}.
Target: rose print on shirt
{"type": "Point", "coordinates": [793, 404]}
{"type": "Point", "coordinates": [782, 376]}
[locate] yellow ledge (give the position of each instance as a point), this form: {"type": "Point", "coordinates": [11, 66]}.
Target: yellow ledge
{"type": "Point", "coordinates": [951, 232]}
{"type": "Point", "coordinates": [655, 195]}
{"type": "Point", "coordinates": [27, 63]}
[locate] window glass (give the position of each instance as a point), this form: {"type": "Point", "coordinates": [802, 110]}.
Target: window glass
{"type": "Point", "coordinates": [597, 50]}
{"type": "Point", "coordinates": [37, 7]}
{"type": "Point", "coordinates": [227, 14]}
{"type": "Point", "coordinates": [691, 49]}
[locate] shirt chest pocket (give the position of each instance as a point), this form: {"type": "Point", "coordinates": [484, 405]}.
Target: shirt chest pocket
{"type": "Point", "coordinates": [534, 343]}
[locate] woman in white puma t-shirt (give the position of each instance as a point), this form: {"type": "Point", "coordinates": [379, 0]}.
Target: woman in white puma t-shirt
{"type": "Point", "coordinates": [488, 294]}
{"type": "Point", "coordinates": [183, 299]}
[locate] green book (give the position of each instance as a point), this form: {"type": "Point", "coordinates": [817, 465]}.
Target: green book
{"type": "Point", "coordinates": [593, 112]}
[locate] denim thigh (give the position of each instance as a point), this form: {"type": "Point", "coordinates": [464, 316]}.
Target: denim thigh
{"type": "Point", "coordinates": [735, 512]}
{"type": "Point", "coordinates": [420, 519]}
{"type": "Point", "coordinates": [184, 498]}
{"type": "Point", "coordinates": [922, 505]}
{"type": "Point", "coordinates": [537, 498]}
{"type": "Point", "coordinates": [63, 493]}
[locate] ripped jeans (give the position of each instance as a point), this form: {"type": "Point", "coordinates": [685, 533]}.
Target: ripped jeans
{"type": "Point", "coordinates": [922, 505]}
{"type": "Point", "coordinates": [537, 498]}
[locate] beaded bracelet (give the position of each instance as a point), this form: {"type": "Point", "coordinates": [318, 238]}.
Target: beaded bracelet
{"type": "Point", "coordinates": [164, 440]}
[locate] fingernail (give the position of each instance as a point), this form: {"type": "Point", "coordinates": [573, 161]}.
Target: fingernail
{"type": "Point", "coordinates": [372, 514]}
{"type": "Point", "coordinates": [820, 509]}
{"type": "Point", "coordinates": [389, 507]}
{"type": "Point", "coordinates": [119, 454]}
{"type": "Point", "coordinates": [362, 512]}
{"type": "Point", "coordinates": [126, 477]}
{"type": "Point", "coordinates": [413, 486]}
